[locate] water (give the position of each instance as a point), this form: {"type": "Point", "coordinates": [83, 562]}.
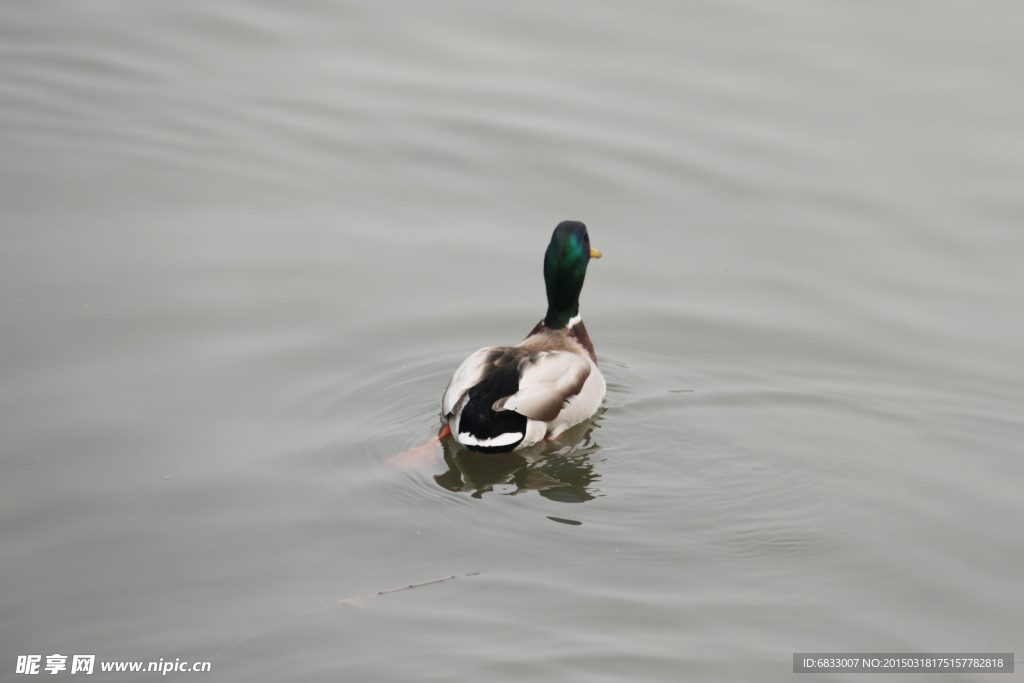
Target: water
{"type": "Point", "coordinates": [245, 245]}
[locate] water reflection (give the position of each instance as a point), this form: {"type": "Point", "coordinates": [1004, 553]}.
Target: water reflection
{"type": "Point", "coordinates": [561, 471]}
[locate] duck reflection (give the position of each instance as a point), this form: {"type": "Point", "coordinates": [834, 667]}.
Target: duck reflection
{"type": "Point", "coordinates": [561, 471]}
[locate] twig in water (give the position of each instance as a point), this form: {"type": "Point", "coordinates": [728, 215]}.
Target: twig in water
{"type": "Point", "coordinates": [352, 601]}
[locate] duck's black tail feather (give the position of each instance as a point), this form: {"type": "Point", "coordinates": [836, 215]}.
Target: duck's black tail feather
{"type": "Point", "coordinates": [485, 430]}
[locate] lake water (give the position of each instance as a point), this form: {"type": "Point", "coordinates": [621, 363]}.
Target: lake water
{"type": "Point", "coordinates": [243, 247]}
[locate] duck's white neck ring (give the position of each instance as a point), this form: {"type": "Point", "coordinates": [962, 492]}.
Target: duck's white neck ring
{"type": "Point", "coordinates": [573, 320]}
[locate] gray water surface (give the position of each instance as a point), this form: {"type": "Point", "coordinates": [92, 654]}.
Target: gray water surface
{"type": "Point", "coordinates": [244, 245]}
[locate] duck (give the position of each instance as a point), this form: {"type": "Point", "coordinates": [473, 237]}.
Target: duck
{"type": "Point", "coordinates": [507, 398]}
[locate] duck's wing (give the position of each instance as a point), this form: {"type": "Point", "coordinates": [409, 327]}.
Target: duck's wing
{"type": "Point", "coordinates": [547, 379]}
{"type": "Point", "coordinates": [469, 374]}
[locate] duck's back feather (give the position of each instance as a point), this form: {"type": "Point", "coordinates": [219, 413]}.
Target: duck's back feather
{"type": "Point", "coordinates": [547, 379]}
{"type": "Point", "coordinates": [469, 374]}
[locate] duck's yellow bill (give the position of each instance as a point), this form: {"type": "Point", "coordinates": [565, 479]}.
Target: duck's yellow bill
{"type": "Point", "coordinates": [594, 253]}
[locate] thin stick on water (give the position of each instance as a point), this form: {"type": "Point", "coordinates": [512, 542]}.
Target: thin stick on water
{"type": "Point", "coordinates": [352, 601]}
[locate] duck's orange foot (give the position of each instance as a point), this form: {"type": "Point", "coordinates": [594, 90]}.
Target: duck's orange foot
{"type": "Point", "coordinates": [427, 455]}
{"type": "Point", "coordinates": [421, 456]}
{"type": "Point", "coordinates": [554, 438]}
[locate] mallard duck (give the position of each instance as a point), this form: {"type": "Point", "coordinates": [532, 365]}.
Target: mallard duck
{"type": "Point", "coordinates": [504, 398]}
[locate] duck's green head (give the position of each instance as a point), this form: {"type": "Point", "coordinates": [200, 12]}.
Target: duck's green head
{"type": "Point", "coordinates": [565, 267]}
